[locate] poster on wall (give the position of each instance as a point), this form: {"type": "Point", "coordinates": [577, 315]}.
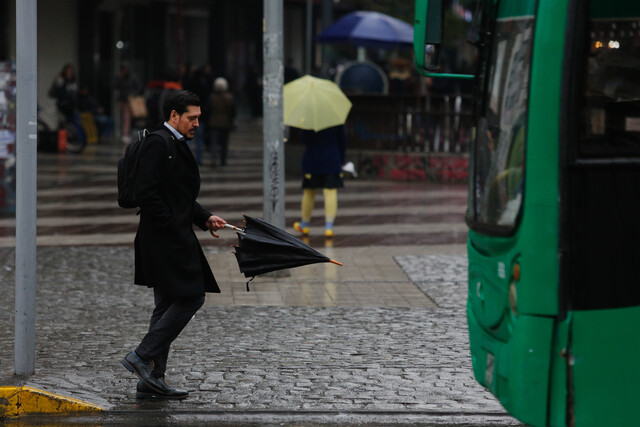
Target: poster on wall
{"type": "Point", "coordinates": [7, 137]}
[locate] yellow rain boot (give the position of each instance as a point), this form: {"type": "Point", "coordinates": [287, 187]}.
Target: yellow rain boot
{"type": "Point", "coordinates": [301, 227]}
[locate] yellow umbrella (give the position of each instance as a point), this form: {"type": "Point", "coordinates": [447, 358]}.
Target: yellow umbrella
{"type": "Point", "coordinates": [314, 104]}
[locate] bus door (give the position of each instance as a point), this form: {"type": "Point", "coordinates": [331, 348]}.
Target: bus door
{"type": "Point", "coordinates": [600, 215]}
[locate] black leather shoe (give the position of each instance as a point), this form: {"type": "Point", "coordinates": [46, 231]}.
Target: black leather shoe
{"type": "Point", "coordinates": [142, 368]}
{"type": "Point", "coordinates": [144, 392]}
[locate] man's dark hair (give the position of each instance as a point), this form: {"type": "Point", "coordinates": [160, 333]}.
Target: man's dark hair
{"type": "Point", "coordinates": [179, 100]}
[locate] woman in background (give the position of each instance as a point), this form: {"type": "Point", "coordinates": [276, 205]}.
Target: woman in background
{"type": "Point", "coordinates": [322, 167]}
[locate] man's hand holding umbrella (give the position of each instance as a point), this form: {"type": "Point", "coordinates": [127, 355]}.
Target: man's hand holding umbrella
{"type": "Point", "coordinates": [215, 223]}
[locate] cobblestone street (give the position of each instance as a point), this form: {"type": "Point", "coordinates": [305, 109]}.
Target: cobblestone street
{"type": "Point", "coordinates": [373, 360]}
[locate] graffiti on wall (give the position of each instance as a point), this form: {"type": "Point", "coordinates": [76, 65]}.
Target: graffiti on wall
{"type": "Point", "coordinates": [449, 168]}
{"type": "Point", "coordinates": [414, 167]}
{"type": "Point", "coordinates": [7, 136]}
{"type": "Point", "coordinates": [409, 168]}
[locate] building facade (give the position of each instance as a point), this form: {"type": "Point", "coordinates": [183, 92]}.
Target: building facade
{"type": "Point", "coordinates": [157, 39]}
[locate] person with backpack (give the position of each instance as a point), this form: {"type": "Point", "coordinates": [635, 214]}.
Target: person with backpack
{"type": "Point", "coordinates": [168, 256]}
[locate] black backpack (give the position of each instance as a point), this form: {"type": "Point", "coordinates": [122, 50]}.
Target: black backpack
{"type": "Point", "coordinates": [128, 165]}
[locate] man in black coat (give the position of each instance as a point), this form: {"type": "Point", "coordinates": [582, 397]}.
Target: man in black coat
{"type": "Point", "coordinates": [168, 256]}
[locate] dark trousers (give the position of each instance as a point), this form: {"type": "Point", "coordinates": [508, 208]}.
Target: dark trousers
{"type": "Point", "coordinates": [169, 318]}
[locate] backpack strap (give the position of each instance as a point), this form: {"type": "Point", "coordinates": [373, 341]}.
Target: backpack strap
{"type": "Point", "coordinates": [169, 139]}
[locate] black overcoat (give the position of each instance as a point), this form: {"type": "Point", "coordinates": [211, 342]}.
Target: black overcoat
{"type": "Point", "coordinates": [167, 252]}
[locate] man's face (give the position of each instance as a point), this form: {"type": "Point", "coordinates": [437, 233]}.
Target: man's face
{"type": "Point", "coordinates": [187, 122]}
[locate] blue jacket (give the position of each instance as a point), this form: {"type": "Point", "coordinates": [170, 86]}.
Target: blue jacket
{"type": "Point", "coordinates": [326, 150]}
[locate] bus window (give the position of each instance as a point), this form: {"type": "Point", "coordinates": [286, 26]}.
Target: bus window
{"type": "Point", "coordinates": [601, 191]}
{"type": "Point", "coordinates": [500, 142]}
{"type": "Point", "coordinates": [611, 114]}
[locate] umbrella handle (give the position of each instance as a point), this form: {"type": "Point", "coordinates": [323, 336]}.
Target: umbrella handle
{"type": "Point", "coordinates": [232, 227]}
{"type": "Point", "coordinates": [236, 229]}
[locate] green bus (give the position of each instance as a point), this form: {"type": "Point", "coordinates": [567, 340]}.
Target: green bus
{"type": "Point", "coordinates": [554, 226]}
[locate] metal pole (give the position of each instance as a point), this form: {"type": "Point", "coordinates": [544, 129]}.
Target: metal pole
{"type": "Point", "coordinates": [273, 130]}
{"type": "Point", "coordinates": [309, 27]}
{"type": "Point", "coordinates": [26, 144]}
{"type": "Point", "coordinates": [117, 62]}
{"type": "Point", "coordinates": [327, 17]}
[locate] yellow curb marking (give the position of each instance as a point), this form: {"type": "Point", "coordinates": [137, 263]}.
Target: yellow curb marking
{"type": "Point", "coordinates": [16, 401]}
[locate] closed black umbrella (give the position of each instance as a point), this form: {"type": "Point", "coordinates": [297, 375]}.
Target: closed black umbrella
{"type": "Point", "coordinates": [263, 248]}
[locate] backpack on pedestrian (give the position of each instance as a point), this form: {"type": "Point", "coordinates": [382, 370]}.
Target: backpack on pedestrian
{"type": "Point", "coordinates": [128, 165]}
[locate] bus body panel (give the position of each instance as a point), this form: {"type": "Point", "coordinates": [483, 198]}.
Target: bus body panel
{"type": "Point", "coordinates": [516, 9]}
{"type": "Point", "coordinates": [537, 290]}
{"type": "Point", "coordinates": [504, 367]}
{"type": "Point", "coordinates": [605, 345]}
{"type": "Point", "coordinates": [558, 392]}
{"type": "Point", "coordinates": [539, 227]}
{"type": "Point", "coordinates": [488, 287]}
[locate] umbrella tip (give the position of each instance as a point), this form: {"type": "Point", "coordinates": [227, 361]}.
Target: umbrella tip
{"type": "Point", "coordinates": [335, 262]}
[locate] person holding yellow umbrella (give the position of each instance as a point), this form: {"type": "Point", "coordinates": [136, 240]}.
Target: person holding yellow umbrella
{"type": "Point", "coordinates": [319, 108]}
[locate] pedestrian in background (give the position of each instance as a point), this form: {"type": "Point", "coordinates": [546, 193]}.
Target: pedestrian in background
{"type": "Point", "coordinates": [88, 103]}
{"type": "Point", "coordinates": [201, 83]}
{"type": "Point", "coordinates": [168, 256]}
{"type": "Point", "coordinates": [156, 93]}
{"type": "Point", "coordinates": [127, 86]}
{"type": "Point", "coordinates": [322, 164]}
{"type": "Point", "coordinates": [64, 90]}
{"type": "Point", "coordinates": [222, 112]}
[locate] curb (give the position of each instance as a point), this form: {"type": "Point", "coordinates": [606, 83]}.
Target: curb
{"type": "Point", "coordinates": [17, 401]}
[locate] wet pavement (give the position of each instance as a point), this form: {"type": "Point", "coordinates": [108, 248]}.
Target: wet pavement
{"type": "Point", "coordinates": [381, 340]}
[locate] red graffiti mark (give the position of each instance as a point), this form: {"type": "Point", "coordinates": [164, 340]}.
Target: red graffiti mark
{"type": "Point", "coordinates": [381, 164]}
{"type": "Point", "coordinates": [450, 168]}
{"type": "Point", "coordinates": [417, 167]}
{"type": "Point", "coordinates": [409, 168]}
{"type": "Point", "coordinates": [408, 175]}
